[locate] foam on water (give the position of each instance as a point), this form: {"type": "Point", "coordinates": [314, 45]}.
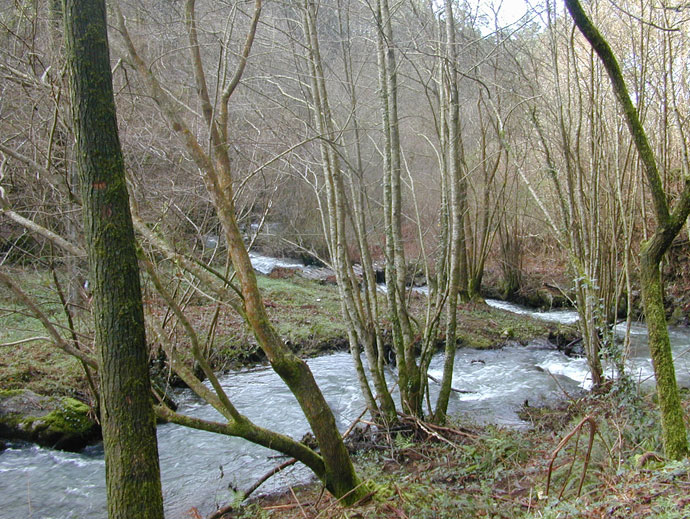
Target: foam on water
{"type": "Point", "coordinates": [554, 316]}
{"type": "Point", "coordinates": [576, 370]}
{"type": "Point", "coordinates": [266, 264]}
{"type": "Point", "coordinates": [198, 467]}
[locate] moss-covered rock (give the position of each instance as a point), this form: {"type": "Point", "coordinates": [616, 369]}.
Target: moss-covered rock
{"type": "Point", "coordinates": [58, 422]}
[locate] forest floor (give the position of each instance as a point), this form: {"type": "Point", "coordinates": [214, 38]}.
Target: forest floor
{"type": "Point", "coordinates": [460, 471]}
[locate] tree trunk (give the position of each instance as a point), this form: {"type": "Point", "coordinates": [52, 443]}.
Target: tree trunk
{"type": "Point", "coordinates": [457, 283]}
{"type": "Point", "coordinates": [672, 424]}
{"type": "Point", "coordinates": [668, 226]}
{"type": "Point", "coordinates": [127, 418]}
{"type": "Point", "coordinates": [215, 167]}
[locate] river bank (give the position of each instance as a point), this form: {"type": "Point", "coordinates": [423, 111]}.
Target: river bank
{"type": "Point", "coordinates": [304, 311]}
{"type": "Point", "coordinates": [497, 381]}
{"type": "Point", "coordinates": [461, 471]}
{"type": "Point", "coordinates": [201, 469]}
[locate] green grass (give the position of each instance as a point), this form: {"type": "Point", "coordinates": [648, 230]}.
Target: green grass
{"type": "Point", "coordinates": [36, 365]}
{"type": "Point", "coordinates": [305, 313]}
{"type": "Point", "coordinates": [17, 324]}
{"type": "Point", "coordinates": [481, 326]}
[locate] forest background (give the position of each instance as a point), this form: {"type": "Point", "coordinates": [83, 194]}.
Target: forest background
{"type": "Point", "coordinates": [428, 142]}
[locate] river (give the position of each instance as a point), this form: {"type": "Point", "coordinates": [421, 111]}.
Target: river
{"type": "Point", "coordinates": [197, 468]}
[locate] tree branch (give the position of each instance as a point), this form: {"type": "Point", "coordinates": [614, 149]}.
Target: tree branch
{"type": "Point", "coordinates": [603, 50]}
{"type": "Point", "coordinates": [47, 324]}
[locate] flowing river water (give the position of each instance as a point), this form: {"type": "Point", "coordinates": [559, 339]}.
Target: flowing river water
{"type": "Point", "coordinates": [198, 468]}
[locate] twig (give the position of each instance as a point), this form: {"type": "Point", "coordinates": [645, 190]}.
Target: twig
{"type": "Point", "coordinates": [397, 511]}
{"type": "Point", "coordinates": [592, 430]}
{"type": "Point", "coordinates": [560, 386]}
{"type": "Point", "coordinates": [268, 474]}
{"type": "Point", "coordinates": [521, 502]}
{"type": "Point", "coordinates": [337, 501]}
{"type": "Point", "coordinates": [354, 424]}
{"type": "Point", "coordinates": [49, 326]}
{"type": "Point", "coordinates": [299, 504]}
{"type": "Point", "coordinates": [30, 339]}
{"type": "Point", "coordinates": [451, 430]}
{"type": "Point", "coordinates": [439, 428]}
{"type": "Point", "coordinates": [287, 506]}
{"type": "Point", "coordinates": [648, 456]}
{"type": "Point", "coordinates": [427, 430]}
{"type": "Point", "coordinates": [275, 470]}
{"type": "Point", "coordinates": [461, 391]}
{"type": "Point", "coordinates": [323, 490]}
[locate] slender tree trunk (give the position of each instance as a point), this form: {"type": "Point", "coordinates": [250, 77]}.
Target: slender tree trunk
{"type": "Point", "coordinates": [457, 289]}
{"type": "Point", "coordinates": [403, 336]}
{"type": "Point", "coordinates": [127, 418]}
{"type": "Point", "coordinates": [669, 224]}
{"type": "Point", "coordinates": [351, 303]}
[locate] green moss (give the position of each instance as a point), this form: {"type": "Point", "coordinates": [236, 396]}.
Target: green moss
{"type": "Point", "coordinates": [58, 422]}
{"type": "Point", "coordinates": [72, 417]}
{"type": "Point", "coordinates": [6, 393]}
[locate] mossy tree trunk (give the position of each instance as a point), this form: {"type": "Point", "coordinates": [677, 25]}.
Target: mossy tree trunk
{"type": "Point", "coordinates": [673, 426]}
{"type": "Point", "coordinates": [669, 224]}
{"type": "Point", "coordinates": [127, 417]}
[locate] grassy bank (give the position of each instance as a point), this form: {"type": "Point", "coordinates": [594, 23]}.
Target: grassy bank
{"type": "Point", "coordinates": [464, 472]}
{"type": "Point", "coordinates": [306, 313]}
{"type": "Point", "coordinates": [37, 365]}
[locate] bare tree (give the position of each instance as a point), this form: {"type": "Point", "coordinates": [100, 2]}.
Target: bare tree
{"type": "Point", "coordinates": [333, 465]}
{"type": "Point", "coordinates": [127, 417]}
{"type": "Point", "coordinates": [669, 224]}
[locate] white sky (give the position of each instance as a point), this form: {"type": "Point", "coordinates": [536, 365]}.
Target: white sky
{"type": "Point", "coordinates": [510, 10]}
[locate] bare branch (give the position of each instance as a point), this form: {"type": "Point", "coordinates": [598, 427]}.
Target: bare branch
{"type": "Point", "coordinates": [47, 324]}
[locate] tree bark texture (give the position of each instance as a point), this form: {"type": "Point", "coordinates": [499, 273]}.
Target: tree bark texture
{"type": "Point", "coordinates": [127, 417]}
{"type": "Point", "coordinates": [351, 302]}
{"type": "Point", "coordinates": [338, 474]}
{"type": "Point", "coordinates": [458, 290]}
{"type": "Point", "coordinates": [669, 224]}
{"type": "Point", "coordinates": [403, 335]}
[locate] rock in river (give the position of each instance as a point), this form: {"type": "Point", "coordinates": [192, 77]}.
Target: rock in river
{"type": "Point", "coordinates": [57, 422]}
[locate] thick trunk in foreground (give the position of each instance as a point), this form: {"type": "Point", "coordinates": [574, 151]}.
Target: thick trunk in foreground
{"type": "Point", "coordinates": [672, 424]}
{"type": "Point", "coordinates": [127, 418]}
